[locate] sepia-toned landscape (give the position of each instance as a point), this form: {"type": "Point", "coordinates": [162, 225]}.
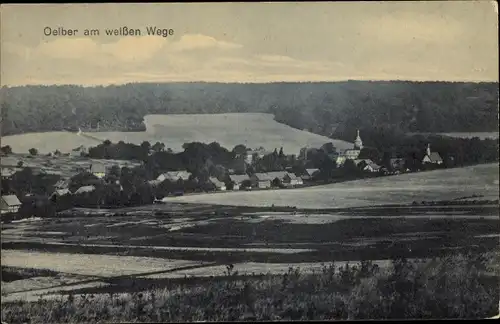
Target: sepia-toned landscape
{"type": "Point", "coordinates": [241, 175]}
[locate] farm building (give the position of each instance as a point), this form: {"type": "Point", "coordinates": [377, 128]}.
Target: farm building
{"type": "Point", "coordinates": [10, 204]}
{"type": "Point", "coordinates": [99, 170]}
{"type": "Point", "coordinates": [261, 180]}
{"type": "Point", "coordinates": [431, 157]}
{"type": "Point", "coordinates": [174, 176]}
{"type": "Point", "coordinates": [238, 180]}
{"type": "Point", "coordinates": [219, 185]}
{"type": "Point", "coordinates": [291, 180]}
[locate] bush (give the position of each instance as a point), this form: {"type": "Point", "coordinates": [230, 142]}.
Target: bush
{"type": "Point", "coordinates": [452, 287]}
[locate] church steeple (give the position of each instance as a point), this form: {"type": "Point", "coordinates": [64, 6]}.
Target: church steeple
{"type": "Point", "coordinates": [428, 151]}
{"type": "Point", "coordinates": [358, 143]}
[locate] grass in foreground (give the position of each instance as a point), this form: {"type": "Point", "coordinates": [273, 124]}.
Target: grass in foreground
{"type": "Point", "coordinates": [452, 287]}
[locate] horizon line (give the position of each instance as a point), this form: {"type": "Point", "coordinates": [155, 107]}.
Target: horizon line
{"type": "Point", "coordinates": [240, 82]}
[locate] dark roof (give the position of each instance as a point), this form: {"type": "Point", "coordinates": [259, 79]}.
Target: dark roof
{"type": "Point", "coordinates": [435, 157]}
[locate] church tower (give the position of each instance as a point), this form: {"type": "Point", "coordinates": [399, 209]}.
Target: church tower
{"type": "Point", "coordinates": [358, 143]}
{"type": "Point", "coordinates": [428, 151]}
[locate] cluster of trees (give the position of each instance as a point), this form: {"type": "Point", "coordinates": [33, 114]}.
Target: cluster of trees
{"type": "Point", "coordinates": [328, 108]}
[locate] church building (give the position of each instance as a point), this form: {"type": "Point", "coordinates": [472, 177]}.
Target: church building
{"type": "Point", "coordinates": [431, 157]}
{"type": "Point", "coordinates": [351, 154]}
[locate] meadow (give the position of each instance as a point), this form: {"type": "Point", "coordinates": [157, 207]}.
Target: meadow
{"type": "Point", "coordinates": [250, 129]}
{"type": "Point", "coordinates": [405, 188]}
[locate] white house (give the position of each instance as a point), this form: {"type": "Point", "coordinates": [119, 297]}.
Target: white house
{"type": "Point", "coordinates": [10, 204]}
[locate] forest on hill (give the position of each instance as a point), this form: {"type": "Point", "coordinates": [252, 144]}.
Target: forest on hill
{"type": "Point", "coordinates": [334, 109]}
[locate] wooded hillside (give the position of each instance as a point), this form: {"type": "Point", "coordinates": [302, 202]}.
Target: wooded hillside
{"type": "Point", "coordinates": [323, 108]}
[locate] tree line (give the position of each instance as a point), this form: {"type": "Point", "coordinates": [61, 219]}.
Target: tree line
{"type": "Point", "coordinates": [329, 108]}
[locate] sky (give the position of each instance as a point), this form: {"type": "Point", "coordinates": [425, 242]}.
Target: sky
{"type": "Point", "coordinates": [251, 42]}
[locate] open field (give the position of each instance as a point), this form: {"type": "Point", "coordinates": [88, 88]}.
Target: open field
{"type": "Point", "coordinates": [243, 235]}
{"type": "Point", "coordinates": [405, 188]}
{"type": "Point", "coordinates": [250, 129]}
{"type": "Point", "coordinates": [176, 249]}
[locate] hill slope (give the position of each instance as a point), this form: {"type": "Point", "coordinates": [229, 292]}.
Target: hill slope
{"type": "Point", "coordinates": [229, 130]}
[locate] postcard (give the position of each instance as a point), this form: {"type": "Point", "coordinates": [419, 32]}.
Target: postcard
{"type": "Point", "coordinates": [237, 161]}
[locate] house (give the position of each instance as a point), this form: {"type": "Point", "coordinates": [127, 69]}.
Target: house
{"type": "Point", "coordinates": [84, 189]}
{"type": "Point", "coordinates": [280, 175]}
{"type": "Point", "coordinates": [219, 185]}
{"type": "Point", "coordinates": [59, 193]}
{"type": "Point", "coordinates": [291, 180]}
{"type": "Point", "coordinates": [261, 180]}
{"type": "Point", "coordinates": [174, 176]}
{"type": "Point", "coordinates": [10, 204]}
{"type": "Point", "coordinates": [350, 154]}
{"type": "Point", "coordinates": [7, 173]}
{"type": "Point", "coordinates": [431, 157]}
{"type": "Point", "coordinates": [238, 179]}
{"type": "Point", "coordinates": [99, 170]}
{"type": "Point", "coordinates": [372, 167]}
{"type": "Point", "coordinates": [309, 174]}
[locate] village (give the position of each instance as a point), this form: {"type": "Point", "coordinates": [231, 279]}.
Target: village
{"type": "Point", "coordinates": [75, 177]}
